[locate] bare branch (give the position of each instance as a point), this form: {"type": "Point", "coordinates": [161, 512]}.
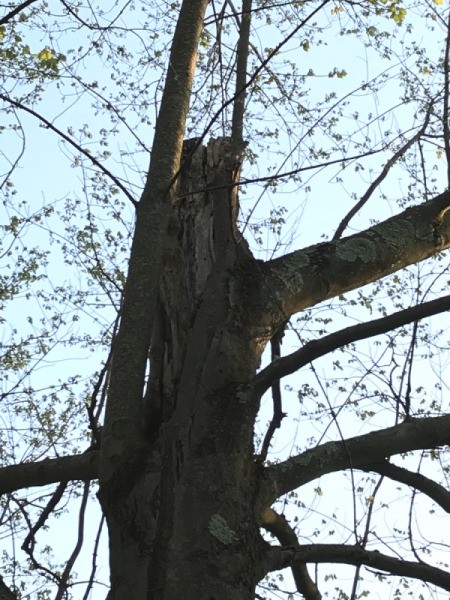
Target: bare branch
{"type": "Point", "coordinates": [356, 452]}
{"type": "Point", "coordinates": [253, 77]}
{"type": "Point", "coordinates": [278, 414]}
{"type": "Point", "coordinates": [70, 141]}
{"type": "Point", "coordinates": [65, 576]}
{"type": "Point", "coordinates": [30, 539]}
{"type": "Point", "coordinates": [278, 526]}
{"type": "Point", "coordinates": [16, 11]}
{"type": "Point", "coordinates": [381, 177]}
{"type": "Point", "coordinates": [427, 486]}
{"type": "Point", "coordinates": [49, 470]}
{"type": "Point", "coordinates": [356, 555]}
{"type": "Point", "coordinates": [445, 116]}
{"type": "Point", "coordinates": [317, 348]}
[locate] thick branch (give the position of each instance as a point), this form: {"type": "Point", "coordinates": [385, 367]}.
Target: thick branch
{"type": "Point", "coordinates": [306, 277]}
{"type": "Point", "coordinates": [316, 348]}
{"type": "Point", "coordinates": [123, 431]}
{"type": "Point", "coordinates": [356, 555]}
{"type": "Point", "coordinates": [51, 470]}
{"type": "Point", "coordinates": [355, 452]}
{"type": "Point", "coordinates": [278, 526]}
{"type": "Point", "coordinates": [427, 486]}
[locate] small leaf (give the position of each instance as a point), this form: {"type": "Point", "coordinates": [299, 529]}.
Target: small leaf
{"type": "Point", "coordinates": [46, 54]}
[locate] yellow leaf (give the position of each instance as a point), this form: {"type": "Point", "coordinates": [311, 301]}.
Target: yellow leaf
{"type": "Point", "coordinates": [438, 1]}
{"type": "Point", "coordinates": [45, 54]}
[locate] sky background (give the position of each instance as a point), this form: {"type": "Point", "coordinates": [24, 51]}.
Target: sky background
{"type": "Point", "coordinates": [77, 315]}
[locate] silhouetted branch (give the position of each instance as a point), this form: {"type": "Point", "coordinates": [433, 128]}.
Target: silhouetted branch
{"type": "Point", "coordinates": [49, 470]}
{"type": "Point", "coordinates": [278, 526]}
{"type": "Point", "coordinates": [65, 576]}
{"type": "Point", "coordinates": [29, 541]}
{"type": "Point", "coordinates": [356, 452]}
{"type": "Point", "coordinates": [16, 11]}
{"type": "Point", "coordinates": [445, 115]}
{"type": "Point", "coordinates": [278, 414]}
{"type": "Point", "coordinates": [415, 480]}
{"type": "Point", "coordinates": [317, 348]}
{"type": "Point", "coordinates": [356, 555]}
{"type": "Point", "coordinates": [74, 144]}
{"type": "Point", "coordinates": [382, 176]}
{"type": "Point", "coordinates": [237, 121]}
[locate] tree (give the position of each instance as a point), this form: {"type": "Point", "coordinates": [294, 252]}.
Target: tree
{"type": "Point", "coordinates": [172, 411]}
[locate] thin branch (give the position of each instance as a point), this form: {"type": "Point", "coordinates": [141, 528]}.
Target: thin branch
{"type": "Point", "coordinates": [410, 361]}
{"type": "Point", "coordinates": [381, 177]}
{"type": "Point", "coordinates": [317, 348]}
{"type": "Point", "coordinates": [30, 540]}
{"type": "Point", "coordinates": [49, 470]}
{"type": "Point", "coordinates": [365, 538]}
{"type": "Point", "coordinates": [433, 490]}
{"type": "Point", "coordinates": [64, 582]}
{"type": "Point", "coordinates": [69, 140]}
{"type": "Point", "coordinates": [90, 584]}
{"type": "Point", "coordinates": [16, 11]}
{"type": "Point", "coordinates": [253, 77]}
{"type": "Point", "coordinates": [283, 175]}
{"type": "Point", "coordinates": [356, 555]}
{"type": "Point", "coordinates": [356, 452]}
{"type": "Point", "coordinates": [29, 548]}
{"type": "Point", "coordinates": [278, 414]}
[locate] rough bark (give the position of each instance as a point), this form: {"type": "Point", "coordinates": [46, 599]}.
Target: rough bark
{"type": "Point", "coordinates": [130, 465]}
{"type": "Point", "coordinates": [184, 518]}
{"type": "Point", "coordinates": [122, 433]}
{"type": "Point", "coordinates": [181, 519]}
{"type": "Point", "coordinates": [184, 507]}
{"type": "Point", "coordinates": [305, 277]}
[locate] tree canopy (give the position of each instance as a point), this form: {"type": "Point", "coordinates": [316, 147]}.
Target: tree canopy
{"type": "Point", "coordinates": [223, 292]}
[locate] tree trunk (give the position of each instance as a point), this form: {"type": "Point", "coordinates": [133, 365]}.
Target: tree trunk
{"type": "Point", "coordinates": [197, 444]}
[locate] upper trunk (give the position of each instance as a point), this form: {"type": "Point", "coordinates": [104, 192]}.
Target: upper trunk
{"type": "Point", "coordinates": [180, 520]}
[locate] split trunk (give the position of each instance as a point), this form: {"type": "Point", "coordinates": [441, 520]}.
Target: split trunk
{"type": "Point", "coordinates": [181, 509]}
